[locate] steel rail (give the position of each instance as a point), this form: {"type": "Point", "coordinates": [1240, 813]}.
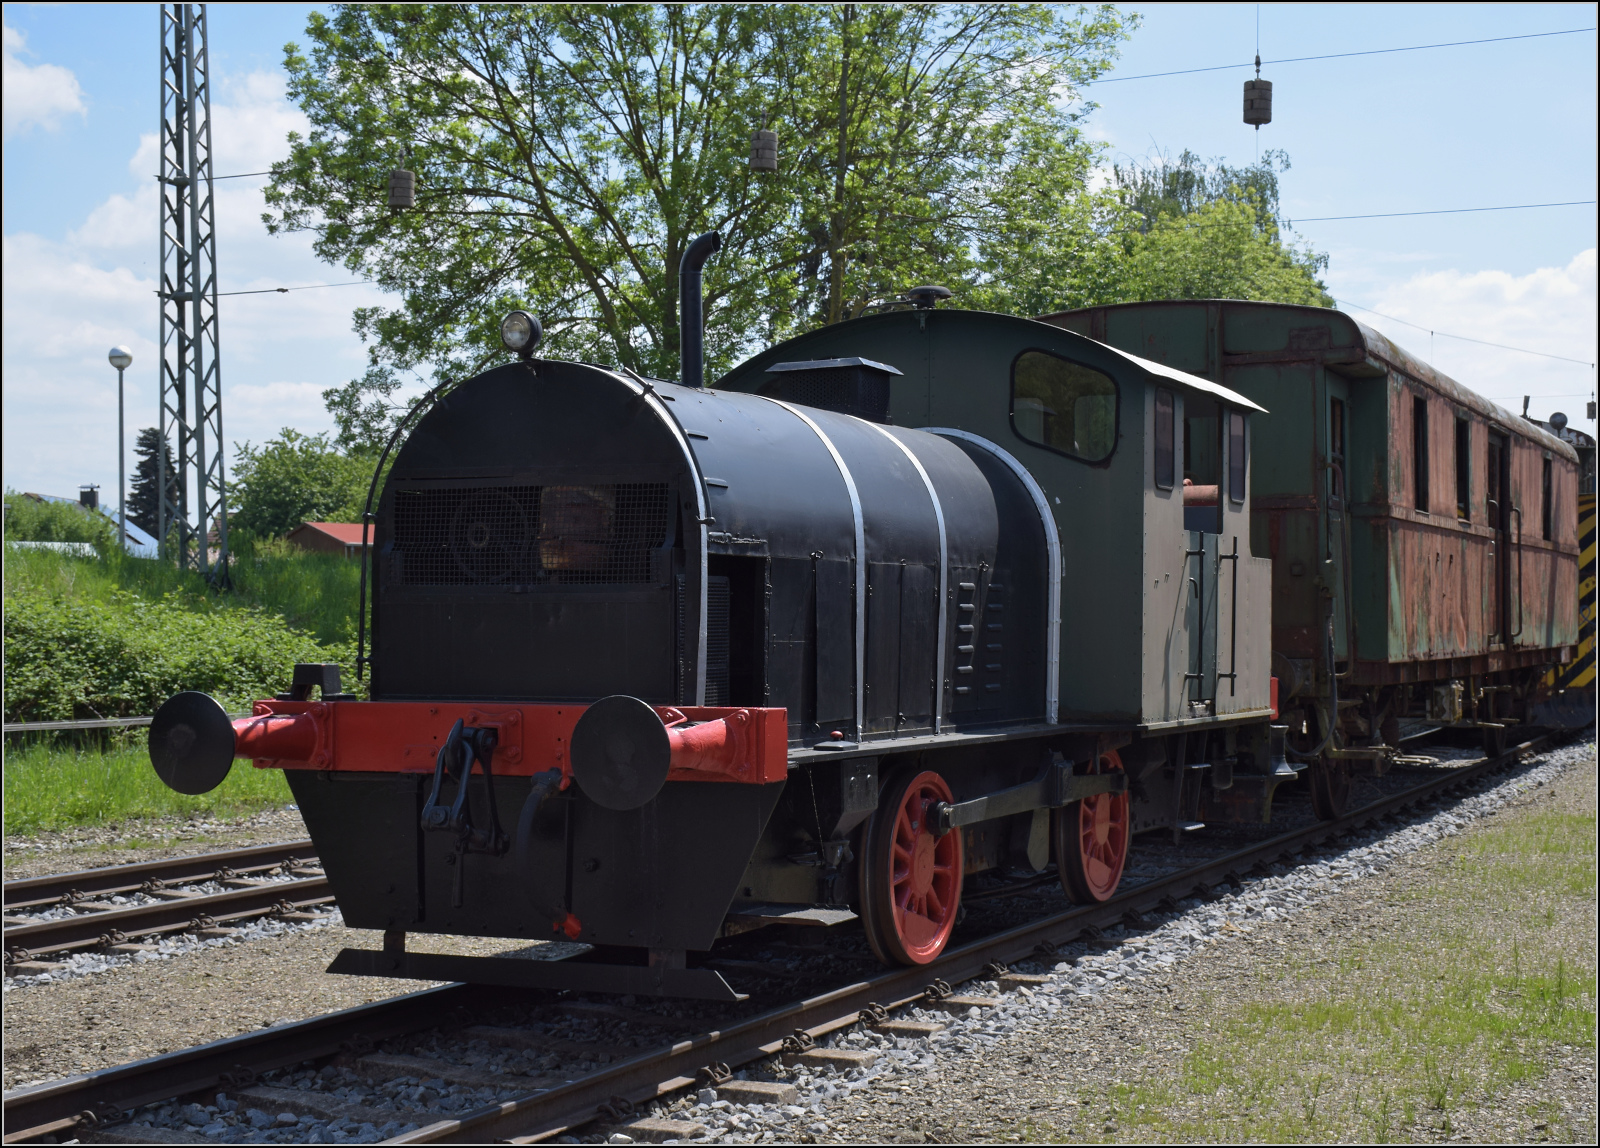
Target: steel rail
{"type": "Point", "coordinates": [651, 1075]}
{"type": "Point", "coordinates": [78, 1103]}
{"type": "Point", "coordinates": [103, 929]}
{"type": "Point", "coordinates": [35, 891]}
{"type": "Point", "coordinates": [81, 1102]}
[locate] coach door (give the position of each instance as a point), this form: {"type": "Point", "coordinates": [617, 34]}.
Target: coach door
{"type": "Point", "coordinates": [1503, 623]}
{"type": "Point", "coordinates": [1336, 524]}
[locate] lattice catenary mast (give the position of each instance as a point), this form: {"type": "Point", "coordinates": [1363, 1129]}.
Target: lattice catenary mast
{"type": "Point", "coordinates": [191, 379]}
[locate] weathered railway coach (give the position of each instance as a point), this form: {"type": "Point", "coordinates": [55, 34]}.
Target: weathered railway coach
{"type": "Point", "coordinates": [1439, 529]}
{"type": "Point", "coordinates": [654, 664]}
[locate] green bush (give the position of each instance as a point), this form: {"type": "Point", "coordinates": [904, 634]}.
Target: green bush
{"type": "Point", "coordinates": [315, 592]}
{"type": "Point", "coordinates": [29, 520]}
{"type": "Point", "coordinates": [70, 659]}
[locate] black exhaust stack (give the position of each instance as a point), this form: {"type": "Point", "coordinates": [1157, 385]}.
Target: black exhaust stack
{"type": "Point", "coordinates": [692, 319]}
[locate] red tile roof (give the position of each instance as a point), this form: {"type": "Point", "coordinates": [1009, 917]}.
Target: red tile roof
{"type": "Point", "coordinates": [348, 533]}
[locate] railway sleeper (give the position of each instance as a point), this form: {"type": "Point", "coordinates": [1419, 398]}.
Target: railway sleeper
{"type": "Point", "coordinates": [535, 1042]}
{"type": "Point", "coordinates": [272, 1100]}
{"type": "Point", "coordinates": [385, 1066]}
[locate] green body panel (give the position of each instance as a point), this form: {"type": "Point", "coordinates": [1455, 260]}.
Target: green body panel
{"type": "Point", "coordinates": [1129, 625]}
{"type": "Point", "coordinates": [1407, 587]}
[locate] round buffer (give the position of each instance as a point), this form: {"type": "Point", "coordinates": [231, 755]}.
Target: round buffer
{"type": "Point", "coordinates": [620, 752]}
{"type": "Point", "coordinates": [191, 743]}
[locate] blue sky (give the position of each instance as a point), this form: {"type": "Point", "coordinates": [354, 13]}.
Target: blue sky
{"type": "Point", "coordinates": [1503, 123]}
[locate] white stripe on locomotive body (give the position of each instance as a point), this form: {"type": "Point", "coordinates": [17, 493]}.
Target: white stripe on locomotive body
{"type": "Point", "coordinates": [944, 576]}
{"type": "Point", "coordinates": [1052, 546]}
{"type": "Point", "coordinates": [702, 503]}
{"type": "Point", "coordinates": [861, 560]}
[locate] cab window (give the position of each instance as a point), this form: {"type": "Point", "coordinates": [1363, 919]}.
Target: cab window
{"type": "Point", "coordinates": [1236, 457]}
{"type": "Point", "coordinates": [1064, 406]}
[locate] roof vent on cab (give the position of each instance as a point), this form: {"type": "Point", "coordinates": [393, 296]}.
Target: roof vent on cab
{"type": "Point", "coordinates": [853, 386]}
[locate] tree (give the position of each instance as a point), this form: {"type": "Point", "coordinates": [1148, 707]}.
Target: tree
{"type": "Point", "coordinates": [567, 154]}
{"type": "Point", "coordinates": [1209, 231]}
{"type": "Point", "coordinates": [1220, 251]}
{"type": "Point", "coordinates": [932, 139]}
{"type": "Point", "coordinates": [296, 478]}
{"type": "Point", "coordinates": [143, 499]}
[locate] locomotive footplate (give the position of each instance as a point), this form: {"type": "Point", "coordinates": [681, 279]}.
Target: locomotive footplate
{"type": "Point", "coordinates": [663, 974]}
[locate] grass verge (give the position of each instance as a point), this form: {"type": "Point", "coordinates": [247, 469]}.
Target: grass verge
{"type": "Point", "coordinates": [1439, 1024]}
{"type": "Point", "coordinates": [48, 787]}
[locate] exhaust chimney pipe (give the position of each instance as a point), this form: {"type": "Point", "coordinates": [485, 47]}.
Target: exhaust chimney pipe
{"type": "Point", "coordinates": [691, 314]}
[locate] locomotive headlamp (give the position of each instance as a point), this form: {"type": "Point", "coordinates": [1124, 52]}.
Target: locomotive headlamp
{"type": "Point", "coordinates": [521, 332]}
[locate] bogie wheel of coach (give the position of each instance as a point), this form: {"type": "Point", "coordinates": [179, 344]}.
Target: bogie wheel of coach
{"type": "Point", "coordinates": [1330, 788]}
{"type": "Point", "coordinates": [910, 875]}
{"type": "Point", "coordinates": [1091, 840]}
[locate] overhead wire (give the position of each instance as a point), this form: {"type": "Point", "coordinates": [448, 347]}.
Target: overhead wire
{"type": "Point", "coordinates": [1338, 56]}
{"type": "Point", "coordinates": [286, 290]}
{"type": "Point", "coordinates": [1463, 338]}
{"type": "Point", "coordinates": [1443, 211]}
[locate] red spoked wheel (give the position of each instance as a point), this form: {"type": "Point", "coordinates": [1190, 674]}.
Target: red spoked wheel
{"type": "Point", "coordinates": [910, 876]}
{"type": "Point", "coordinates": [1092, 840]}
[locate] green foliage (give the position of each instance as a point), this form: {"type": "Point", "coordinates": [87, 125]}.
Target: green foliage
{"type": "Point", "coordinates": [316, 593]}
{"type": "Point", "coordinates": [49, 788]}
{"type": "Point", "coordinates": [296, 478]}
{"type": "Point", "coordinates": [117, 635]}
{"type": "Point", "coordinates": [32, 520]}
{"type": "Point", "coordinates": [144, 504]}
{"type": "Point", "coordinates": [1193, 230]}
{"type": "Point", "coordinates": [1167, 189]}
{"type": "Point", "coordinates": [567, 154]}
{"type": "Point", "coordinates": [1219, 251]}
{"type": "Point", "coordinates": [123, 658]}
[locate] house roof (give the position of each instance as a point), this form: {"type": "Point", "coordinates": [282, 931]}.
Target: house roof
{"type": "Point", "coordinates": [140, 541]}
{"type": "Point", "coordinates": [348, 533]}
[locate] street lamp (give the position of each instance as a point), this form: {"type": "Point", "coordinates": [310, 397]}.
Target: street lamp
{"type": "Point", "coordinates": [121, 358]}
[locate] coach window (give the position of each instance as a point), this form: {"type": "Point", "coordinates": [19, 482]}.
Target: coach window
{"type": "Point", "coordinates": [1064, 406]}
{"type": "Point", "coordinates": [1463, 470]}
{"type": "Point", "coordinates": [1419, 453]}
{"type": "Point", "coordinates": [1236, 456]}
{"type": "Point", "coordinates": [1544, 500]}
{"type": "Point", "coordinates": [1166, 465]}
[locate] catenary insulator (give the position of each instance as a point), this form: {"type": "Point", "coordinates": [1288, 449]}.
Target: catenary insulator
{"type": "Point", "coordinates": [1258, 102]}
{"type": "Point", "coordinates": [764, 150]}
{"type": "Point", "coordinates": [402, 188]}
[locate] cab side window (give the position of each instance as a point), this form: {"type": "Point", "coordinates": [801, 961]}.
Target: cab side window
{"type": "Point", "coordinates": [1064, 406]}
{"type": "Point", "coordinates": [1165, 446]}
{"type": "Point", "coordinates": [1237, 458]}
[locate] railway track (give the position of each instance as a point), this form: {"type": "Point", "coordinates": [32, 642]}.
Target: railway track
{"type": "Point", "coordinates": [614, 1092]}
{"type": "Point", "coordinates": [109, 909]}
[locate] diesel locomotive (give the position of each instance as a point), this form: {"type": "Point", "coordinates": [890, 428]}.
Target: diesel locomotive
{"type": "Point", "coordinates": [925, 598]}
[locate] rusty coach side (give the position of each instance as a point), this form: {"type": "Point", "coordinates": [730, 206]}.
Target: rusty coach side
{"type": "Point", "coordinates": [1442, 527]}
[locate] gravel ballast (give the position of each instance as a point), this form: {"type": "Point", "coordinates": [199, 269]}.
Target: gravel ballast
{"type": "Point", "coordinates": [1120, 1007]}
{"type": "Point", "coordinates": [1044, 1062]}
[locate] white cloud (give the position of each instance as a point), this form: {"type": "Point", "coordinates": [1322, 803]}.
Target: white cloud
{"type": "Point", "coordinates": [1551, 309]}
{"type": "Point", "coordinates": [35, 95]}
{"type": "Point", "coordinates": [67, 299]}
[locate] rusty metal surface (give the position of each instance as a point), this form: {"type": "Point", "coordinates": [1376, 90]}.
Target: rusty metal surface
{"type": "Point", "coordinates": [1425, 588]}
{"type": "Point", "coordinates": [1336, 339]}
